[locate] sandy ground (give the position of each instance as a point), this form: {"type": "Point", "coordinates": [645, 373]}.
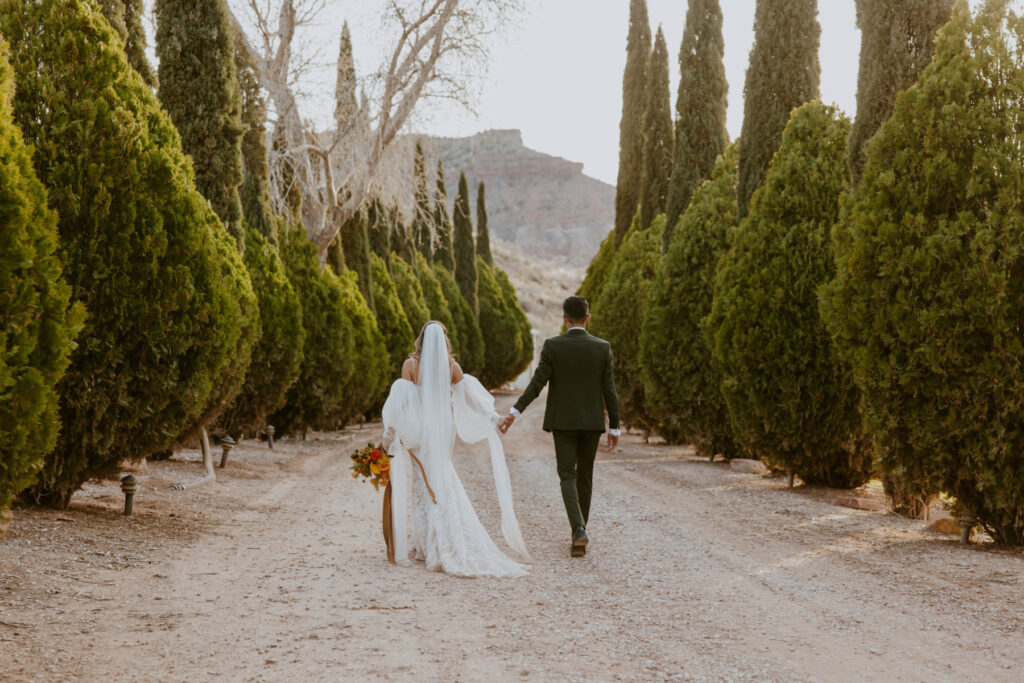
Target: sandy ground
{"type": "Point", "coordinates": [277, 572]}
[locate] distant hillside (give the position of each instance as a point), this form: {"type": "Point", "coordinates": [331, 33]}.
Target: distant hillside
{"type": "Point", "coordinates": [538, 202]}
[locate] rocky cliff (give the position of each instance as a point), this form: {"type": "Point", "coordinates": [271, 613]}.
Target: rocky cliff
{"type": "Point", "coordinates": [541, 203]}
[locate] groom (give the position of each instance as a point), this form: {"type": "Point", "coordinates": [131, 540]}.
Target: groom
{"type": "Point", "coordinates": [579, 369]}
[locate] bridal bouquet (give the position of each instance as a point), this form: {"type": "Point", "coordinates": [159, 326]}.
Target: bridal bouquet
{"type": "Point", "coordinates": [374, 463]}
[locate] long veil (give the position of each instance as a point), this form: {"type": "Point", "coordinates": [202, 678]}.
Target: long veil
{"type": "Point", "coordinates": [436, 430]}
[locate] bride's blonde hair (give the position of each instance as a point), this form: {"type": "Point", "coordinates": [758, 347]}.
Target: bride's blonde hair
{"type": "Point", "coordinates": [418, 346]}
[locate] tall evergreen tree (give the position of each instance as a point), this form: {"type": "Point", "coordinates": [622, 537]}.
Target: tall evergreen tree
{"type": "Point", "coordinates": [634, 99]}
{"type": "Point", "coordinates": [199, 89]}
{"type": "Point", "coordinates": [126, 18]}
{"type": "Point", "coordinates": [657, 166]}
{"type": "Point", "coordinates": [433, 296]}
{"type": "Point", "coordinates": [255, 193]}
{"type": "Point", "coordinates": [783, 74]}
{"type": "Point", "coordinates": [700, 108]}
{"type": "Point", "coordinates": [503, 346]}
{"type": "Point", "coordinates": [423, 215]}
{"type": "Point", "coordinates": [467, 328]}
{"type": "Point", "coordinates": [170, 306]}
{"type": "Point", "coordinates": [483, 233]}
{"type": "Point", "coordinates": [391, 318]}
{"type": "Point", "coordinates": [355, 244]}
{"type": "Point", "coordinates": [443, 252]}
{"type": "Point", "coordinates": [346, 105]}
{"type": "Point", "coordinates": [379, 229]}
{"type": "Point", "coordinates": [897, 39]}
{"type": "Point", "coordinates": [410, 293]}
{"type": "Point", "coordinates": [39, 325]}
{"type": "Point", "coordinates": [465, 246]}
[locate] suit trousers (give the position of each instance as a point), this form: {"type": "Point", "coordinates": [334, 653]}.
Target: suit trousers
{"type": "Point", "coordinates": [575, 451]}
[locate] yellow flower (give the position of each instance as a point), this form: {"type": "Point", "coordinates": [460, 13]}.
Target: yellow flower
{"type": "Point", "coordinates": [374, 468]}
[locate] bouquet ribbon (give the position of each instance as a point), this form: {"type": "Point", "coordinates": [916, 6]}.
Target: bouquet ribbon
{"type": "Point", "coordinates": [388, 521]}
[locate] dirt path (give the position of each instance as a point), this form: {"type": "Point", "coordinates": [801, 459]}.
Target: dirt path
{"type": "Point", "coordinates": [277, 572]}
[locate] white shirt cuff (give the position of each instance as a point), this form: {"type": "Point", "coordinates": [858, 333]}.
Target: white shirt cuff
{"type": "Point", "coordinates": [513, 412]}
{"type": "Point", "coordinates": [615, 432]}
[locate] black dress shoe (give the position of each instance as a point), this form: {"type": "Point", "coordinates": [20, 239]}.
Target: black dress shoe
{"type": "Point", "coordinates": [579, 542]}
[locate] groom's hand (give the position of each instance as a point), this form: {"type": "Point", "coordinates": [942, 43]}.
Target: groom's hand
{"type": "Point", "coordinates": [505, 423]}
{"type": "Point", "coordinates": [613, 441]}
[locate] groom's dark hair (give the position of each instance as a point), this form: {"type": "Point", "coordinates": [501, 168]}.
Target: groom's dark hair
{"type": "Point", "coordinates": [576, 309]}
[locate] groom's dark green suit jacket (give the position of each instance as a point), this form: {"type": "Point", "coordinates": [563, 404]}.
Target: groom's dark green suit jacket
{"type": "Point", "coordinates": [578, 367]}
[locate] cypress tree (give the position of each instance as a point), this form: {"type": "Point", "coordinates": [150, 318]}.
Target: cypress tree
{"type": "Point", "coordinates": [39, 324]}
{"type": "Point", "coordinates": [783, 74]}
{"type": "Point", "coordinates": [700, 108]}
{"type": "Point", "coordinates": [277, 357]}
{"type": "Point", "coordinates": [681, 384]}
{"type": "Point", "coordinates": [634, 99]}
{"type": "Point", "coordinates": [791, 400]}
{"type": "Point", "coordinates": [897, 39]}
{"type": "Point", "coordinates": [521, 321]}
{"type": "Point", "coordinates": [199, 90]}
{"type": "Point", "coordinates": [391, 318]}
{"type": "Point", "coordinates": [596, 269]}
{"type": "Point", "coordinates": [370, 357]}
{"type": "Point", "coordinates": [657, 165]}
{"type": "Point", "coordinates": [618, 314]}
{"type": "Point", "coordinates": [928, 294]}
{"type": "Point", "coordinates": [328, 359]}
{"type": "Point", "coordinates": [503, 348]}
{"type": "Point", "coordinates": [355, 245]}
{"type": "Point", "coordinates": [170, 307]}
{"type": "Point", "coordinates": [470, 342]}
{"type": "Point", "coordinates": [126, 18]}
{"type": "Point", "coordinates": [423, 216]}
{"type": "Point", "coordinates": [465, 246]}
{"type": "Point", "coordinates": [410, 293]}
{"type": "Point", "coordinates": [483, 234]}
{"type": "Point", "coordinates": [346, 106]}
{"type": "Point", "coordinates": [254, 192]}
{"type": "Point", "coordinates": [379, 229]}
{"type": "Point", "coordinates": [443, 252]}
{"type": "Point", "coordinates": [437, 304]}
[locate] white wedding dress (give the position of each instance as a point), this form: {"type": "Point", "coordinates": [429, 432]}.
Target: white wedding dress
{"type": "Point", "coordinates": [424, 418]}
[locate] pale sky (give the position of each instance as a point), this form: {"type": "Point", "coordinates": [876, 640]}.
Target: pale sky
{"type": "Point", "coordinates": [557, 74]}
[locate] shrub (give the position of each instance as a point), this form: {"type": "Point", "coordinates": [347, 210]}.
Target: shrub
{"type": "Point", "coordinates": [618, 314]}
{"type": "Point", "coordinates": [327, 362]}
{"type": "Point", "coordinates": [391, 318]}
{"type": "Point", "coordinates": [433, 296]}
{"type": "Point", "coordinates": [277, 357]}
{"type": "Point", "coordinates": [39, 325]}
{"type": "Point", "coordinates": [681, 384]}
{"type": "Point", "coordinates": [503, 345]}
{"type": "Point", "coordinates": [522, 322]}
{"type": "Point", "coordinates": [929, 288]}
{"type": "Point", "coordinates": [598, 267]}
{"type": "Point", "coordinates": [468, 339]}
{"type": "Point", "coordinates": [369, 358]}
{"type": "Point", "coordinates": [410, 293]}
{"type": "Point", "coordinates": [141, 246]}
{"type": "Point", "coordinates": [791, 400]}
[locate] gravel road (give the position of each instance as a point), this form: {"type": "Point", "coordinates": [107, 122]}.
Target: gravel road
{"type": "Point", "coordinates": [277, 572]}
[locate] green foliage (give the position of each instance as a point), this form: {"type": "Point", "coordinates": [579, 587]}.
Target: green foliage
{"type": "Point", "coordinates": [443, 249]}
{"type": "Point", "coordinates": [370, 357]}
{"type": "Point", "coordinates": [391, 318]}
{"type": "Point", "coordinates": [700, 108]}
{"type": "Point", "coordinates": [437, 304]}
{"type": "Point", "coordinates": [356, 249]}
{"type": "Point", "coordinates": [423, 217]}
{"type": "Point", "coordinates": [329, 349]}
{"type": "Point", "coordinates": [783, 74]}
{"type": "Point", "coordinates": [379, 229]}
{"type": "Point", "coordinates": [254, 191]}
{"type": "Point", "coordinates": [929, 288]}
{"type": "Point", "coordinates": [634, 98]}
{"type": "Point", "coordinates": [410, 293]}
{"type": "Point", "coordinates": [126, 18]}
{"type": "Point", "coordinates": [657, 164]}
{"type": "Point", "coordinates": [681, 384]}
{"type": "Point", "coordinates": [503, 344]}
{"type": "Point", "coordinates": [346, 108]}
{"type": "Point", "coordinates": [465, 246]}
{"type": "Point", "coordinates": [598, 267]}
{"type": "Point", "coordinates": [522, 322]}
{"type": "Point", "coordinates": [897, 42]}
{"type": "Point", "coordinates": [277, 357]}
{"type": "Point", "coordinates": [618, 314]}
{"type": "Point", "coordinates": [198, 88]}
{"type": "Point", "coordinates": [141, 247]}
{"type": "Point", "coordinates": [39, 325]}
{"type": "Point", "coordinates": [483, 233]}
{"type": "Point", "coordinates": [791, 400]}
{"type": "Point", "coordinates": [467, 339]}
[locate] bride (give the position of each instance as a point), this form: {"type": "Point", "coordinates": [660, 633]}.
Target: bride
{"type": "Point", "coordinates": [431, 403]}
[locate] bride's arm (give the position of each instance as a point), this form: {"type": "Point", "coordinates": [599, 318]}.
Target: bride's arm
{"type": "Point", "coordinates": [457, 373]}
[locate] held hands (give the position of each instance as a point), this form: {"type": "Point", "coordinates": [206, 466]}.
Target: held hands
{"type": "Point", "coordinates": [505, 422]}
{"type": "Point", "coordinates": [613, 441]}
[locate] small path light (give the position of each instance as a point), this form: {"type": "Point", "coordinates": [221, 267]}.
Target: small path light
{"type": "Point", "coordinates": [129, 486]}
{"type": "Point", "coordinates": [967, 520]}
{"type": "Point", "coordinates": [227, 443]}
{"type": "Point", "coordinates": [270, 436]}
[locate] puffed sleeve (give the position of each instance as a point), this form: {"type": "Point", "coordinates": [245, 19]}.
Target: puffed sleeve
{"type": "Point", "coordinates": [401, 413]}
